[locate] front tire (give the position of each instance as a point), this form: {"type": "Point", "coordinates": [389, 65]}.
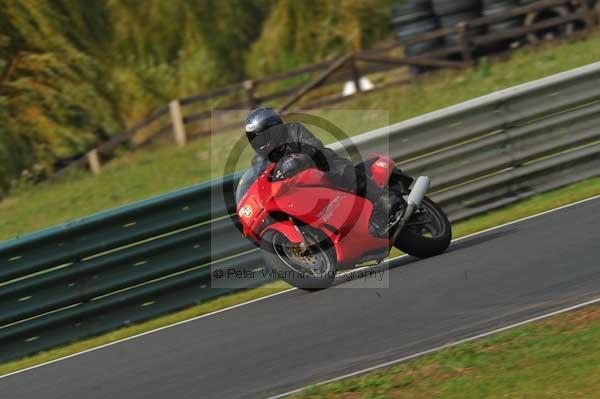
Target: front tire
{"type": "Point", "coordinates": [427, 233]}
{"type": "Point", "coordinates": [312, 272]}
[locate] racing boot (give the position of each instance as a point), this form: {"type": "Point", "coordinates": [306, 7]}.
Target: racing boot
{"type": "Point", "coordinates": [386, 204]}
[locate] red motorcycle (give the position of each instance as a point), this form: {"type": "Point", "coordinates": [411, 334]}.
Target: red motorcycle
{"type": "Point", "coordinates": [309, 229]}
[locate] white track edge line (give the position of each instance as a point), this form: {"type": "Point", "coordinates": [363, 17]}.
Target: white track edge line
{"type": "Point", "coordinates": [438, 348]}
{"type": "Point", "coordinates": [147, 332]}
{"type": "Point", "coordinates": [275, 294]}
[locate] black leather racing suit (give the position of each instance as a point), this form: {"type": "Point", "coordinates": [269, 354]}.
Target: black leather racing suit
{"type": "Point", "coordinates": [294, 138]}
{"type": "Point", "coordinates": [291, 139]}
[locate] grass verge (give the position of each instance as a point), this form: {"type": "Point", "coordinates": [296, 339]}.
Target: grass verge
{"type": "Point", "coordinates": [533, 205]}
{"type": "Point", "coordinates": [138, 175]}
{"type": "Point", "coordinates": [553, 358]}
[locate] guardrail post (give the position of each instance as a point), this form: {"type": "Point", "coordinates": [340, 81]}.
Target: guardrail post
{"type": "Point", "coordinates": [464, 43]}
{"type": "Point", "coordinates": [178, 125]}
{"type": "Point", "coordinates": [94, 161]}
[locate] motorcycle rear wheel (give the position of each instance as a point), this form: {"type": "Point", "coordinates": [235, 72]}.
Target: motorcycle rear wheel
{"type": "Point", "coordinates": [311, 271]}
{"type": "Point", "coordinates": [427, 233]}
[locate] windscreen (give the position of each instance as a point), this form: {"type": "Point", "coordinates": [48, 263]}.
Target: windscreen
{"type": "Point", "coordinates": [244, 184]}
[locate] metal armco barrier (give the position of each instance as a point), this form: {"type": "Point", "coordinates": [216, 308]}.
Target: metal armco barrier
{"type": "Point", "coordinates": [136, 262]}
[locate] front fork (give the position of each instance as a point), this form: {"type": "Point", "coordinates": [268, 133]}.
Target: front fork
{"type": "Point", "coordinates": [413, 201]}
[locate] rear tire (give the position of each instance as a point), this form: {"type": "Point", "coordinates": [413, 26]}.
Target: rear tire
{"type": "Point", "coordinates": [411, 239]}
{"type": "Point", "coordinates": [276, 254]}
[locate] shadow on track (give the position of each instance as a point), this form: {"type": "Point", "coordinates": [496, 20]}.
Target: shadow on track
{"type": "Point", "coordinates": [407, 260]}
{"type": "Point", "coordinates": [477, 240]}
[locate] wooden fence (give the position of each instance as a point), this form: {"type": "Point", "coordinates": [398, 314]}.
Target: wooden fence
{"type": "Point", "coordinates": [318, 85]}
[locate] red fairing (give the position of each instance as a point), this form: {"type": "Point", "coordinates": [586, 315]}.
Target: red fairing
{"type": "Point", "coordinates": [381, 170]}
{"type": "Point", "coordinates": [288, 229]}
{"type": "Point", "coordinates": [310, 198]}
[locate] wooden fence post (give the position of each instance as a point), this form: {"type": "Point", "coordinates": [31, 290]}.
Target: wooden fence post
{"type": "Point", "coordinates": [588, 15]}
{"type": "Point", "coordinates": [250, 88]}
{"type": "Point", "coordinates": [177, 120]}
{"type": "Point", "coordinates": [464, 43]}
{"type": "Point", "coordinates": [94, 161]}
{"type": "Point", "coordinates": [319, 80]}
{"type": "Point", "coordinates": [355, 74]}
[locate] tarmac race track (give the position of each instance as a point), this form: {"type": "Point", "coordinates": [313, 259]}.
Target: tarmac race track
{"type": "Point", "coordinates": [288, 341]}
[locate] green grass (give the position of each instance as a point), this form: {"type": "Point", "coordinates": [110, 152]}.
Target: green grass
{"type": "Point", "coordinates": [555, 358]}
{"type": "Point", "coordinates": [450, 87]}
{"type": "Point", "coordinates": [153, 171]}
{"type": "Point", "coordinates": [536, 204]}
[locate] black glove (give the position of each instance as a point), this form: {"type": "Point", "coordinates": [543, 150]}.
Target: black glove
{"type": "Point", "coordinates": [292, 164]}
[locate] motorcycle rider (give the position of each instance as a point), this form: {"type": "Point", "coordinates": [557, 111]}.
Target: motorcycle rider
{"type": "Point", "coordinates": [294, 148]}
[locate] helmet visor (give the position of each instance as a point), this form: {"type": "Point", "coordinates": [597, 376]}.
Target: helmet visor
{"type": "Point", "coordinates": [259, 141]}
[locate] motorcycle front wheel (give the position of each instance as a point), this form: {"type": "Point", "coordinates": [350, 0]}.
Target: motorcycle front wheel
{"type": "Point", "coordinates": [427, 233]}
{"type": "Point", "coordinates": [312, 269]}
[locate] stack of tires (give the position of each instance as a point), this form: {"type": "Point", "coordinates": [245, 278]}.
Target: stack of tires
{"type": "Point", "coordinates": [537, 16]}
{"type": "Point", "coordinates": [492, 7]}
{"type": "Point", "coordinates": [415, 18]}
{"type": "Point", "coordinates": [453, 12]}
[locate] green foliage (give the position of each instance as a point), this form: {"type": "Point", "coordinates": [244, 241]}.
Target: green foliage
{"type": "Point", "coordinates": [14, 153]}
{"type": "Point", "coordinates": [75, 72]}
{"type": "Point", "coordinates": [298, 32]}
{"type": "Point", "coordinates": [160, 168]}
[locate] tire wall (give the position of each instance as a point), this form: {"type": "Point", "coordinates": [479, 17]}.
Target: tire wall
{"type": "Point", "coordinates": [416, 17]}
{"type": "Point", "coordinates": [452, 12]}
